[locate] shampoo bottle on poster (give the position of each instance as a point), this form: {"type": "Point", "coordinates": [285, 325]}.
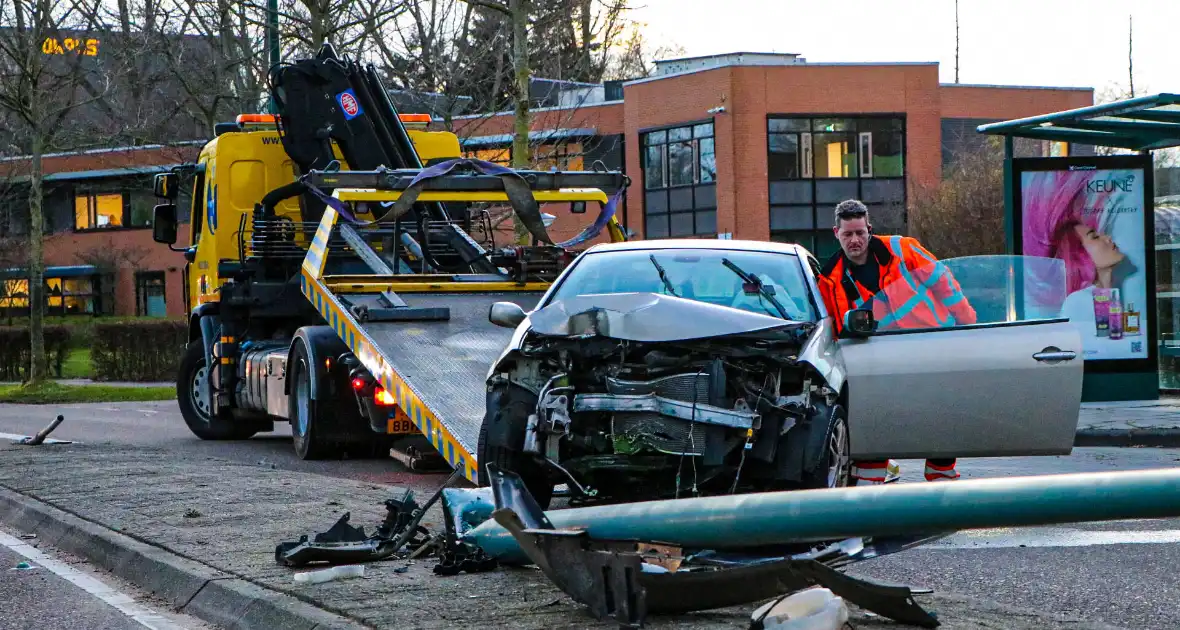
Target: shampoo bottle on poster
{"type": "Point", "coordinates": [1101, 312]}
{"type": "Point", "coordinates": [1116, 315]}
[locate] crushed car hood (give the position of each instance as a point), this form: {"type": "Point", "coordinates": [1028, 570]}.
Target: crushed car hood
{"type": "Point", "coordinates": [646, 317]}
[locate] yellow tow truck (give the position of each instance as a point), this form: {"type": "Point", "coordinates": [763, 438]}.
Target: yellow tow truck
{"type": "Point", "coordinates": [334, 277]}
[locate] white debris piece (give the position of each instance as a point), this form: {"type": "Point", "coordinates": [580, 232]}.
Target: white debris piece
{"type": "Point", "coordinates": [813, 609]}
{"type": "Point", "coordinates": [334, 573]}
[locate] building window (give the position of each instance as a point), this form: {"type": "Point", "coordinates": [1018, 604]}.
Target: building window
{"type": "Point", "coordinates": [143, 205]}
{"type": "Point", "coordinates": [14, 297]}
{"type": "Point", "coordinates": [566, 156]}
{"type": "Point", "coordinates": [679, 181]}
{"type": "Point", "coordinates": [77, 295]}
{"type": "Point", "coordinates": [149, 294]}
{"type": "Point", "coordinates": [563, 156]}
{"type": "Point", "coordinates": [97, 211]}
{"type": "Point", "coordinates": [813, 163]}
{"type": "Point", "coordinates": [72, 295]}
{"type": "Point", "coordinates": [498, 155]}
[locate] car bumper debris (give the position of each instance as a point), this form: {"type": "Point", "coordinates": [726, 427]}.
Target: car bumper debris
{"type": "Point", "coordinates": [346, 544]}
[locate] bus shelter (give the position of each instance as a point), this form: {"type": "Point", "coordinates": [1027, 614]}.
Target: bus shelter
{"type": "Point", "coordinates": [1099, 215]}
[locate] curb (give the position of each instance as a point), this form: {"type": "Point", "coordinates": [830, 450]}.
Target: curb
{"type": "Point", "coordinates": [1158, 438]}
{"type": "Point", "coordinates": [190, 587]}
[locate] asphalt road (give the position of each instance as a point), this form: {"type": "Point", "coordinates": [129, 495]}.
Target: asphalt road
{"type": "Point", "coordinates": [52, 591]}
{"type": "Point", "coordinates": [1120, 573]}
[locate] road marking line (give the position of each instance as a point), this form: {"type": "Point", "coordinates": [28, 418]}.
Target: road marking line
{"type": "Point", "coordinates": [1005, 538]}
{"type": "Point", "coordinates": [120, 601]}
{"type": "Point", "coordinates": [18, 437]}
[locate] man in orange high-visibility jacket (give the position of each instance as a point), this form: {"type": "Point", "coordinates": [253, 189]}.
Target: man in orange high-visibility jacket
{"type": "Point", "coordinates": [904, 286]}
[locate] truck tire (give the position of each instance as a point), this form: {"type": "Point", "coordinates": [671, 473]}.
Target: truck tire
{"type": "Point", "coordinates": [832, 467]}
{"type": "Point", "coordinates": [509, 419]}
{"type": "Point", "coordinates": [308, 430]}
{"type": "Point", "coordinates": [190, 380]}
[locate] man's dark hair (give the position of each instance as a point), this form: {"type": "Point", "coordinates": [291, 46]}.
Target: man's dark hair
{"type": "Point", "coordinates": [851, 209]}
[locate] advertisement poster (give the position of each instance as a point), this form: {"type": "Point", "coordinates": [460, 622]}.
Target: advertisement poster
{"type": "Point", "coordinates": [1092, 220]}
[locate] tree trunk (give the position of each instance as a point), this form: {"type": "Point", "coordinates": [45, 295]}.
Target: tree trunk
{"type": "Point", "coordinates": [38, 370]}
{"type": "Point", "coordinates": [585, 63]}
{"type": "Point", "coordinates": [519, 11]}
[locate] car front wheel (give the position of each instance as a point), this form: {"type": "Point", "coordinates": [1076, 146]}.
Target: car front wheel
{"type": "Point", "coordinates": [832, 466]}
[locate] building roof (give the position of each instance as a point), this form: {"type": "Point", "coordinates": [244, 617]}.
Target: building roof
{"type": "Point", "coordinates": [1140, 124]}
{"type": "Point", "coordinates": [96, 174]}
{"type": "Point", "coordinates": [538, 136]}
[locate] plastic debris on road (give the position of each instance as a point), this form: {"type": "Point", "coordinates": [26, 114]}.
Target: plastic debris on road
{"type": "Point", "coordinates": [813, 609]}
{"type": "Point", "coordinates": [334, 573]}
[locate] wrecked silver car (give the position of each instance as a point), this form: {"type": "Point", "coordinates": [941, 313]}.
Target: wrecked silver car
{"type": "Point", "coordinates": [685, 368]}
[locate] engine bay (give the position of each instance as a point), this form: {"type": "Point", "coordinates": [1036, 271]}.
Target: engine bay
{"type": "Point", "coordinates": [624, 420]}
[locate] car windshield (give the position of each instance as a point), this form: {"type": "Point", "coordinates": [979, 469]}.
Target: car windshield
{"type": "Point", "coordinates": [697, 274]}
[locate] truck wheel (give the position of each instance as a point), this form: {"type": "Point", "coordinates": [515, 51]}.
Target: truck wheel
{"type": "Point", "coordinates": [832, 467]}
{"type": "Point", "coordinates": [190, 384]}
{"type": "Point", "coordinates": [508, 417]}
{"type": "Point", "coordinates": [307, 422]}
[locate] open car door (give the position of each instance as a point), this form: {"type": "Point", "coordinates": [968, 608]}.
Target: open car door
{"type": "Point", "coordinates": [1008, 384]}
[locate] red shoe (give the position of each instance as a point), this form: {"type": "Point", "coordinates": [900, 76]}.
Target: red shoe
{"type": "Point", "coordinates": [934, 472]}
{"type": "Point", "coordinates": [875, 473]}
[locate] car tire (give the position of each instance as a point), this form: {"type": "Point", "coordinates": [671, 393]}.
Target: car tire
{"type": "Point", "coordinates": [831, 468]}
{"type": "Point", "coordinates": [191, 378]}
{"type": "Point", "coordinates": [307, 421]}
{"type": "Point", "coordinates": [532, 474]}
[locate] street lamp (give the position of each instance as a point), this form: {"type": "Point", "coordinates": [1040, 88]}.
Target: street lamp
{"type": "Point", "coordinates": [272, 45]}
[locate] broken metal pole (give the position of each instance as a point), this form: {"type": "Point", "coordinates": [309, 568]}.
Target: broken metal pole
{"type": "Point", "coordinates": [38, 439]}
{"type": "Point", "coordinates": [778, 518]}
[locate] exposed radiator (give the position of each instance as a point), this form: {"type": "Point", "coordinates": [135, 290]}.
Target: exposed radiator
{"type": "Point", "coordinates": [664, 434]}
{"type": "Point", "coordinates": [684, 387]}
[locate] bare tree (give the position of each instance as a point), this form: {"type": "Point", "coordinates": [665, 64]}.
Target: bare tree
{"type": "Point", "coordinates": [50, 72]}
{"type": "Point", "coordinates": [956, 41]}
{"type": "Point", "coordinates": [111, 256]}
{"type": "Point", "coordinates": [517, 13]}
{"type": "Point", "coordinates": [964, 214]}
{"type": "Point", "coordinates": [307, 25]}
{"type": "Point", "coordinates": [213, 52]}
{"type": "Point", "coordinates": [633, 57]}
{"type": "Point", "coordinates": [1131, 53]}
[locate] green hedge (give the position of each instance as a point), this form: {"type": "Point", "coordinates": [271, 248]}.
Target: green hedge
{"type": "Point", "coordinates": [147, 350]}
{"type": "Point", "coordinates": [15, 357]}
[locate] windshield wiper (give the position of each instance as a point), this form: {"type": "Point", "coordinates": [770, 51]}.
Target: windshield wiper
{"type": "Point", "coordinates": [753, 281]}
{"type": "Point", "coordinates": [663, 275]}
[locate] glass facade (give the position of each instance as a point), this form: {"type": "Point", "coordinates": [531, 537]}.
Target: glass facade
{"type": "Point", "coordinates": [1167, 298]}
{"type": "Point", "coordinates": [679, 181]}
{"type": "Point", "coordinates": [813, 163]}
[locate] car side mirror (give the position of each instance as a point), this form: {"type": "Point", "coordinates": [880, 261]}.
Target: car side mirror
{"type": "Point", "coordinates": [506, 314]}
{"type": "Point", "coordinates": [164, 224]}
{"type": "Point", "coordinates": [859, 323]}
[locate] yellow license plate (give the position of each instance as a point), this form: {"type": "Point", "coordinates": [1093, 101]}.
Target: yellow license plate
{"type": "Point", "coordinates": [401, 426]}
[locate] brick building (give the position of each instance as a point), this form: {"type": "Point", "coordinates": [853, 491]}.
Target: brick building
{"type": "Point", "coordinates": [99, 254]}
{"type": "Point", "coordinates": [762, 146]}
{"type": "Point", "coordinates": [745, 145]}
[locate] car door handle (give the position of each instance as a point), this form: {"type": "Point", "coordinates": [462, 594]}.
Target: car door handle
{"type": "Point", "coordinates": [1053, 354]}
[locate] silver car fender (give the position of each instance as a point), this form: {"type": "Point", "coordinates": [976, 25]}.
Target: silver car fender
{"type": "Point", "coordinates": [822, 353]}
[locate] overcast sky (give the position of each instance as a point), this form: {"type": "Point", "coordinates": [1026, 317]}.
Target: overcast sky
{"type": "Point", "coordinates": [1079, 43]}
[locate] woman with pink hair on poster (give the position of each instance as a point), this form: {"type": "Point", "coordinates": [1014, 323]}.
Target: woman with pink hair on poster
{"type": "Point", "coordinates": [1060, 223]}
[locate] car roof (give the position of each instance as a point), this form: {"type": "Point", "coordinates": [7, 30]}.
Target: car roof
{"type": "Point", "coordinates": [695, 243]}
